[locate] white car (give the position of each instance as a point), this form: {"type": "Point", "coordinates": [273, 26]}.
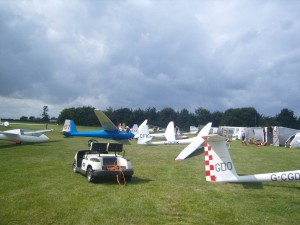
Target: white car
{"type": "Point", "coordinates": [98, 163]}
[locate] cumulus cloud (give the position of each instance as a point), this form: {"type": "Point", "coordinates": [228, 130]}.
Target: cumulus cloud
{"type": "Point", "coordinates": [139, 54]}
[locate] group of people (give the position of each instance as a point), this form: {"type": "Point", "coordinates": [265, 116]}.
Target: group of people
{"type": "Point", "coordinates": [253, 141]}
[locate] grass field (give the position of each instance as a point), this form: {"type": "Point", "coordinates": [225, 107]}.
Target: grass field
{"type": "Point", "coordinates": [38, 187]}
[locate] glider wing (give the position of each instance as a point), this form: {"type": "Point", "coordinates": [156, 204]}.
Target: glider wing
{"type": "Point", "coordinates": [198, 141]}
{"type": "Point", "coordinates": [106, 123]}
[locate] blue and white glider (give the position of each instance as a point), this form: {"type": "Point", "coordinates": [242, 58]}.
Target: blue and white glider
{"type": "Point", "coordinates": [110, 131]}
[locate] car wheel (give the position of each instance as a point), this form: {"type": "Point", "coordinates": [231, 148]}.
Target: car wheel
{"type": "Point", "coordinates": [89, 174]}
{"type": "Point", "coordinates": [74, 167]}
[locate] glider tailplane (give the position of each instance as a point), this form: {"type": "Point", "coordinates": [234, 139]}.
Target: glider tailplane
{"type": "Point", "coordinates": [69, 128]}
{"type": "Point", "coordinates": [218, 163]}
{"type": "Point", "coordinates": [144, 135]}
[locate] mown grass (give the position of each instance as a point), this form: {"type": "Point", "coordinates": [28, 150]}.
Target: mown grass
{"type": "Point", "coordinates": [38, 187]}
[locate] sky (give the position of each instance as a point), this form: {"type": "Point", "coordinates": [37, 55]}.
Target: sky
{"type": "Point", "coordinates": [137, 54]}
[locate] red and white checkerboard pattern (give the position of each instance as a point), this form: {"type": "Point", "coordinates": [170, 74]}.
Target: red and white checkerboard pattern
{"type": "Point", "coordinates": [209, 167]}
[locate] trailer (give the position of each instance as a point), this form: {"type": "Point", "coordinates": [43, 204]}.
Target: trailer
{"type": "Point", "coordinates": [253, 133]}
{"type": "Point", "coordinates": [276, 135]}
{"type": "Point", "coordinates": [293, 141]}
{"type": "Point", "coordinates": [231, 132]}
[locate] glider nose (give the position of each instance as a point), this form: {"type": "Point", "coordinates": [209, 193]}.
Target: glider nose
{"type": "Point", "coordinates": [43, 137]}
{"type": "Point", "coordinates": [131, 135]}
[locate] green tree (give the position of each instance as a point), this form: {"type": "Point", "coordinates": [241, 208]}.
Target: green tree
{"type": "Point", "coordinates": [89, 116]}
{"type": "Point", "coordinates": [165, 116]}
{"type": "Point", "coordinates": [184, 119]}
{"type": "Point", "coordinates": [122, 115]}
{"type": "Point", "coordinates": [202, 116]}
{"type": "Point", "coordinates": [246, 117]}
{"type": "Point", "coordinates": [138, 116]}
{"type": "Point", "coordinates": [82, 116]}
{"type": "Point", "coordinates": [151, 116]}
{"type": "Point", "coordinates": [267, 121]}
{"type": "Point", "coordinates": [241, 117]}
{"type": "Point", "coordinates": [45, 115]}
{"type": "Point", "coordinates": [216, 118]}
{"type": "Point", "coordinates": [23, 118]}
{"type": "Point", "coordinates": [31, 118]}
{"type": "Point", "coordinates": [286, 118]}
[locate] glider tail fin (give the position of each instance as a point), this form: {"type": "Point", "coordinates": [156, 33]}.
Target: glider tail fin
{"type": "Point", "coordinates": [69, 127]}
{"type": "Point", "coordinates": [135, 130]}
{"type": "Point", "coordinates": [144, 135]}
{"type": "Point", "coordinates": [170, 132]}
{"type": "Point", "coordinates": [218, 163]}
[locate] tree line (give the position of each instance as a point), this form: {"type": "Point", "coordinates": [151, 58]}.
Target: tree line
{"type": "Point", "coordinates": [240, 117]}
{"type": "Point", "coordinates": [45, 117]}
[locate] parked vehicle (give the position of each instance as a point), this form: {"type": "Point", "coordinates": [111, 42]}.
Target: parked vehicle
{"type": "Point", "coordinates": [98, 163]}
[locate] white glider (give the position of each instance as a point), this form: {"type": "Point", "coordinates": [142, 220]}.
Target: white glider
{"type": "Point", "coordinates": [23, 135]}
{"type": "Point", "coordinates": [219, 166]}
{"type": "Point", "coordinates": [145, 138]}
{"type": "Point", "coordinates": [5, 123]}
{"type": "Point", "coordinates": [136, 130]}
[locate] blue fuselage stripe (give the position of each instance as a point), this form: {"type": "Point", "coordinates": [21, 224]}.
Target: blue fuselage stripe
{"type": "Point", "coordinates": [118, 135]}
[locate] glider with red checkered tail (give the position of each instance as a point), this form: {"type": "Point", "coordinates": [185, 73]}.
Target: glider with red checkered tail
{"type": "Point", "coordinates": [219, 166]}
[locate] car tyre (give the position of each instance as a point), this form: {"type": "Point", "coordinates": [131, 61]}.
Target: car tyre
{"type": "Point", "coordinates": [89, 174]}
{"type": "Point", "coordinates": [74, 167]}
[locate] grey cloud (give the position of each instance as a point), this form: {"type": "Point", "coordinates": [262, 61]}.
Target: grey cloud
{"type": "Point", "coordinates": [139, 54]}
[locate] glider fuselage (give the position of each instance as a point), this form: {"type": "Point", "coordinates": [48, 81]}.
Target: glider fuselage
{"type": "Point", "coordinates": [29, 137]}
{"type": "Point", "coordinates": [115, 135]}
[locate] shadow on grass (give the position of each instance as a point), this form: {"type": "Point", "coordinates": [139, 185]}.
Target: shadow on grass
{"type": "Point", "coordinates": [256, 185]}
{"type": "Point", "coordinates": [197, 152]}
{"type": "Point", "coordinates": [113, 181]}
{"type": "Point", "coordinates": [11, 144]}
{"type": "Point", "coordinates": [261, 185]}
{"type": "Point", "coordinates": [282, 185]}
{"type": "Point", "coordinates": [8, 146]}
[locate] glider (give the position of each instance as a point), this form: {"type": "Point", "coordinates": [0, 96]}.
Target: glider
{"type": "Point", "coordinates": [219, 166]}
{"type": "Point", "coordinates": [110, 131]}
{"type": "Point", "coordinates": [23, 135]}
{"type": "Point", "coordinates": [145, 138]}
{"type": "Point", "coordinates": [5, 123]}
{"type": "Point", "coordinates": [137, 130]}
{"type": "Point", "coordinates": [169, 128]}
